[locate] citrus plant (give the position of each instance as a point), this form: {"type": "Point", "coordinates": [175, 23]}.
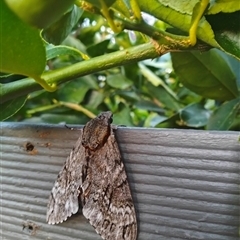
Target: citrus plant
{"type": "Point", "coordinates": [155, 63]}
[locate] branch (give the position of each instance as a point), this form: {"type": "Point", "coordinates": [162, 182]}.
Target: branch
{"type": "Point", "coordinates": [148, 50]}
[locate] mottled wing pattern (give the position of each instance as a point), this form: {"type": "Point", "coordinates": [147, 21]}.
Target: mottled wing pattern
{"type": "Point", "coordinates": [106, 197]}
{"type": "Point", "coordinates": [63, 200]}
{"type": "Point", "coordinates": [95, 174]}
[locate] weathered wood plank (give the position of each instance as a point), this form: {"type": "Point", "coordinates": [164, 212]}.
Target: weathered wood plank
{"type": "Point", "coordinates": [185, 183]}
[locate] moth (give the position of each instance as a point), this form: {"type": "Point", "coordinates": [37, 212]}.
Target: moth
{"type": "Point", "coordinates": [94, 177]}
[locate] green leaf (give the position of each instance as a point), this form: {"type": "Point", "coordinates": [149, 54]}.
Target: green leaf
{"type": "Point", "coordinates": [76, 90]}
{"type": "Point", "coordinates": [206, 74]}
{"type": "Point", "coordinates": [119, 81]}
{"type": "Point", "coordinates": [56, 51]}
{"type": "Point", "coordinates": [149, 106]}
{"type": "Point", "coordinates": [59, 30]}
{"type": "Point", "coordinates": [39, 13]}
{"type": "Point", "coordinates": [163, 97]}
{"type": "Point", "coordinates": [95, 98]}
{"type": "Point", "coordinates": [11, 107]}
{"type": "Point", "coordinates": [235, 65]}
{"type": "Point", "coordinates": [22, 49]}
{"type": "Point", "coordinates": [98, 4]}
{"type": "Point", "coordinates": [194, 115]}
{"type": "Point", "coordinates": [123, 117]}
{"type": "Point", "coordinates": [229, 42]}
{"type": "Point", "coordinates": [179, 15]}
{"type": "Point", "coordinates": [154, 119]}
{"type": "Point", "coordinates": [98, 49]}
{"type": "Point", "coordinates": [122, 7]}
{"type": "Point", "coordinates": [225, 6]}
{"type": "Point", "coordinates": [129, 95]}
{"type": "Point", "coordinates": [224, 21]}
{"type": "Point", "coordinates": [171, 122]}
{"type": "Point", "coordinates": [224, 116]}
{"type": "Point", "coordinates": [227, 31]}
{"type": "Point", "coordinates": [183, 6]}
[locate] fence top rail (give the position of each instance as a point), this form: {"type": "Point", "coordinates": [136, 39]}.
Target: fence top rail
{"type": "Point", "coordinates": [185, 183]}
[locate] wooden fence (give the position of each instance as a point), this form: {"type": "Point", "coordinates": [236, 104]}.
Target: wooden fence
{"type": "Point", "coordinates": [185, 183]}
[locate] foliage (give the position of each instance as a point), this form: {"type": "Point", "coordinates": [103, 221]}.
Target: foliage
{"type": "Point", "coordinates": [129, 72]}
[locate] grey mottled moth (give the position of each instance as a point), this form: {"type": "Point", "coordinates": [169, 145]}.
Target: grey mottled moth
{"type": "Point", "coordinates": [94, 177]}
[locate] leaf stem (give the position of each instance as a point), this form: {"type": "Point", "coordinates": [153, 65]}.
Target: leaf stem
{"type": "Point", "coordinates": [198, 12]}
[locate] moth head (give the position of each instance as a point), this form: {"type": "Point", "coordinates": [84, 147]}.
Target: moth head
{"type": "Point", "coordinates": [106, 117]}
{"type": "Point", "coordinates": [97, 131]}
